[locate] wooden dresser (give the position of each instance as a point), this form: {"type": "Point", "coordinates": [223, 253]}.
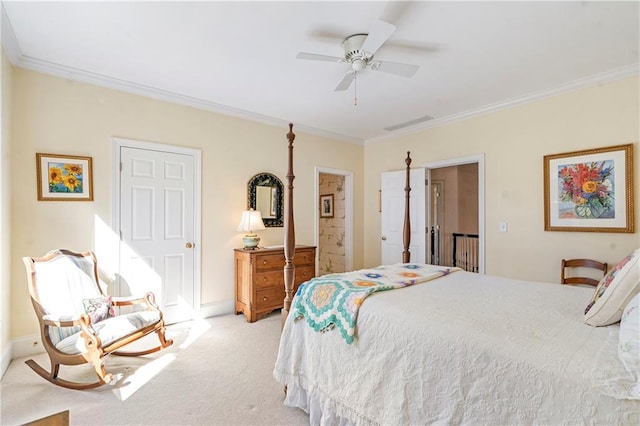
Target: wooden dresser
{"type": "Point", "coordinates": [259, 276]}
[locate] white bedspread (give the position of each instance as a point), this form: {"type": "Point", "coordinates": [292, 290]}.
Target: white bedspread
{"type": "Point", "coordinates": [462, 349]}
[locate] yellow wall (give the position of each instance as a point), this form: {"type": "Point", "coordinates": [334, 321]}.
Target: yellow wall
{"type": "Point", "coordinates": [54, 115]}
{"type": "Point", "coordinates": [514, 142]}
{"type": "Point", "coordinates": [5, 209]}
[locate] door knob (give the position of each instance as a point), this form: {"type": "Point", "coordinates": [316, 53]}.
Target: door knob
{"type": "Point", "coordinates": [189, 245]}
{"type": "Point", "coordinates": [384, 238]}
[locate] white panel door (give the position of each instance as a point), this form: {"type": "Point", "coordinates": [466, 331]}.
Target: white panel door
{"type": "Point", "coordinates": [392, 216]}
{"type": "Point", "coordinates": [157, 229]}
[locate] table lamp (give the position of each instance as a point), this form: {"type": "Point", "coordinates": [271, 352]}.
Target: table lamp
{"type": "Point", "coordinates": [251, 221]}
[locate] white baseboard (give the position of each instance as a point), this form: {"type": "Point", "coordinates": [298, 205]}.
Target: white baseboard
{"type": "Point", "coordinates": [26, 346]}
{"type": "Point", "coordinates": [5, 360]}
{"type": "Point", "coordinates": [217, 308]}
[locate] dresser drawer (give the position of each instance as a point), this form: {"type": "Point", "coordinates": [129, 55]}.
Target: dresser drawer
{"type": "Point", "coordinates": [275, 261]}
{"type": "Point", "coordinates": [303, 273]}
{"type": "Point", "coordinates": [269, 297]}
{"type": "Point", "coordinates": [306, 257]}
{"type": "Point", "coordinates": [275, 279]}
{"type": "Point", "coordinates": [270, 261]}
{"type": "Point", "coordinates": [270, 279]}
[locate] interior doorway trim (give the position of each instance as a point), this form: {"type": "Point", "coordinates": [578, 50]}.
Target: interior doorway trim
{"type": "Point", "coordinates": [479, 159]}
{"type": "Point", "coordinates": [348, 213]}
{"type": "Point", "coordinates": [117, 144]}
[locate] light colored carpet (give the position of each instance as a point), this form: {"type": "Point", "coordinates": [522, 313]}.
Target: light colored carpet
{"type": "Point", "coordinates": [218, 372]}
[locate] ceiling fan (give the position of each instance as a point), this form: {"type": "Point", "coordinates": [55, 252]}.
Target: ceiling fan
{"type": "Point", "coordinates": [358, 53]}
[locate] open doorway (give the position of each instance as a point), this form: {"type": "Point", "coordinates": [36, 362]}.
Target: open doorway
{"type": "Point", "coordinates": [334, 235]}
{"type": "Point", "coordinates": [455, 213]}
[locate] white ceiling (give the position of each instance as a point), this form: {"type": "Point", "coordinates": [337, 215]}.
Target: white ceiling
{"type": "Point", "coordinates": [239, 57]}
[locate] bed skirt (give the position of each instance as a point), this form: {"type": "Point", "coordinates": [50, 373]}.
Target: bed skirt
{"type": "Point", "coordinates": [321, 409]}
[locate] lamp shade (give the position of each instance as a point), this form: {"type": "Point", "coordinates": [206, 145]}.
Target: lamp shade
{"type": "Point", "coordinates": [251, 221]}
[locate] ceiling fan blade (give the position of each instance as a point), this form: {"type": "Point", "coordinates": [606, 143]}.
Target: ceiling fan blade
{"type": "Point", "coordinates": [405, 70]}
{"type": "Point", "coordinates": [379, 33]}
{"type": "Point", "coordinates": [346, 82]}
{"type": "Point", "coordinates": [315, 57]}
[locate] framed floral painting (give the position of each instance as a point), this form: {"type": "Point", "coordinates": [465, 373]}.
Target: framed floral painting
{"type": "Point", "coordinates": [589, 191]}
{"type": "Point", "coordinates": [64, 177]}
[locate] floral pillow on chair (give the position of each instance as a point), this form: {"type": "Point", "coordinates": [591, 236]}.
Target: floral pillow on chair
{"type": "Point", "coordinates": [98, 308]}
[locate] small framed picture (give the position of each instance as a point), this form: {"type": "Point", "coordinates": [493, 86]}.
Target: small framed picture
{"type": "Point", "coordinates": [64, 177]}
{"type": "Point", "coordinates": [326, 206]}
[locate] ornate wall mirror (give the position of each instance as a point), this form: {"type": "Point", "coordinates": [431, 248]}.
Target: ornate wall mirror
{"type": "Point", "coordinates": [265, 193]}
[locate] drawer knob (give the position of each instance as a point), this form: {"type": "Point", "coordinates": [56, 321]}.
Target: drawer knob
{"type": "Point", "coordinates": [264, 299]}
{"type": "Point", "coordinates": [264, 262]}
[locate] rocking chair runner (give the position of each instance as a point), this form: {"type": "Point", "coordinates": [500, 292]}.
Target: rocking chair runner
{"type": "Point", "coordinates": [77, 320]}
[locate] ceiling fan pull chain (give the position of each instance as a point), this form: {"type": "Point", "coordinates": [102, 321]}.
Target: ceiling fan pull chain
{"type": "Point", "coordinates": [355, 88]}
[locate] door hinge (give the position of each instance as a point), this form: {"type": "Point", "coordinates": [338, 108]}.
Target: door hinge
{"type": "Point", "coordinates": [426, 182]}
{"type": "Point", "coordinates": [121, 167]}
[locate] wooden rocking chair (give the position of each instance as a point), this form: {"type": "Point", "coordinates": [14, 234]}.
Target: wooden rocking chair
{"type": "Point", "coordinates": [78, 323]}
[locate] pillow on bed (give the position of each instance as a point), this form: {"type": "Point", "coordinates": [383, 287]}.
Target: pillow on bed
{"type": "Point", "coordinates": [614, 292]}
{"type": "Point", "coordinates": [629, 337]}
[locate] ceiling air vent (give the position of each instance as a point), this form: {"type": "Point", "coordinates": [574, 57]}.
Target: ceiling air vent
{"type": "Point", "coordinates": [409, 123]}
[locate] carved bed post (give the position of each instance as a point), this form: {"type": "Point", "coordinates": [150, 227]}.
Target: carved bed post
{"type": "Point", "coordinates": [289, 232]}
{"type": "Point", "coordinates": [406, 237]}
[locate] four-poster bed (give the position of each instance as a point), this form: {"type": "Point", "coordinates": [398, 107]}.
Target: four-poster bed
{"type": "Point", "coordinates": [449, 347]}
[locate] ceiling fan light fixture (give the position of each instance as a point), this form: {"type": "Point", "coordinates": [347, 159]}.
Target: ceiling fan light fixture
{"type": "Point", "coordinates": [358, 64]}
{"type": "Point", "coordinates": [352, 45]}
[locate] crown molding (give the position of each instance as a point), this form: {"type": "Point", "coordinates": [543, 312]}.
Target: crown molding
{"type": "Point", "coordinates": [583, 83]}
{"type": "Point", "coordinates": [14, 53]}
{"type": "Point", "coordinates": [75, 74]}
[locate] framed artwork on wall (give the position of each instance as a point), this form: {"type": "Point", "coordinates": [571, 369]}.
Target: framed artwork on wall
{"type": "Point", "coordinates": [64, 177]}
{"type": "Point", "coordinates": [326, 206]}
{"type": "Point", "coordinates": [590, 190]}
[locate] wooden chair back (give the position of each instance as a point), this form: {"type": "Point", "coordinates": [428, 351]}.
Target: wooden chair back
{"type": "Point", "coordinates": [572, 266]}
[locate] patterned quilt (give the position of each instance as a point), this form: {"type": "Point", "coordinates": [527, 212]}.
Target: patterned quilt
{"type": "Point", "coordinates": [333, 300]}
